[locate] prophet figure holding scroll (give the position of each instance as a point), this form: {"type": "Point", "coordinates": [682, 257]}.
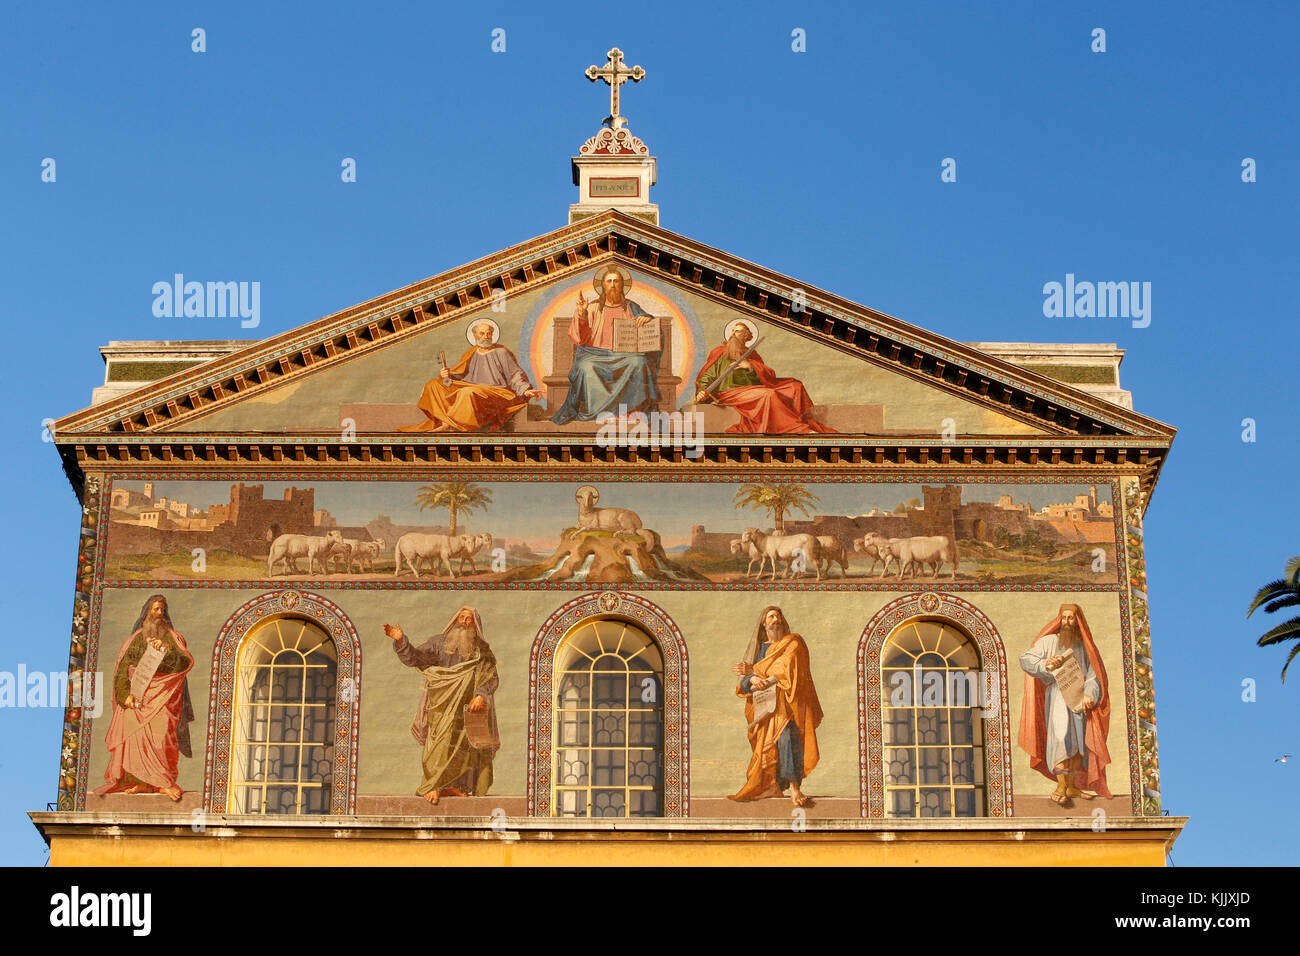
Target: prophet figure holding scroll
{"type": "Point", "coordinates": [455, 721]}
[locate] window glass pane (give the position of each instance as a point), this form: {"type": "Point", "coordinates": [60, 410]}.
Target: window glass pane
{"type": "Point", "coordinates": [963, 730]}
{"type": "Point", "coordinates": [607, 768]}
{"type": "Point", "coordinates": [931, 726]}
{"type": "Point", "coordinates": [942, 773]}
{"type": "Point", "coordinates": [314, 799]}
{"type": "Point", "coordinates": [963, 765]}
{"type": "Point", "coordinates": [610, 690]}
{"type": "Point", "coordinates": [901, 803]}
{"type": "Point", "coordinates": [643, 728]}
{"type": "Point", "coordinates": [574, 689]}
{"type": "Point", "coordinates": [900, 765]}
{"type": "Point", "coordinates": [643, 768]}
{"type": "Point", "coordinates": [607, 726]}
{"type": "Point", "coordinates": [284, 732]}
{"type": "Point", "coordinates": [606, 753]}
{"type": "Point", "coordinates": [572, 728]}
{"type": "Point", "coordinates": [898, 726]}
{"type": "Point", "coordinates": [573, 767]}
{"type": "Point", "coordinates": [932, 764]}
{"type": "Point", "coordinates": [935, 803]}
{"type": "Point", "coordinates": [608, 803]}
{"type": "Point", "coordinates": [645, 803]}
{"type": "Point", "coordinates": [965, 656]}
{"type": "Point", "coordinates": [571, 803]}
{"type": "Point", "coordinates": [281, 799]}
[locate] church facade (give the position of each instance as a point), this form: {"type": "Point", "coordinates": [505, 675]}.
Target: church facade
{"type": "Point", "coordinates": [610, 543]}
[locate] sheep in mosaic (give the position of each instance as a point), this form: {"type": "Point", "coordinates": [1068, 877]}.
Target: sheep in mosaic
{"type": "Point", "coordinates": [795, 549]}
{"type": "Point", "coordinates": [470, 545]}
{"type": "Point", "coordinates": [317, 549]}
{"type": "Point", "coordinates": [415, 547]}
{"type": "Point", "coordinates": [591, 518]}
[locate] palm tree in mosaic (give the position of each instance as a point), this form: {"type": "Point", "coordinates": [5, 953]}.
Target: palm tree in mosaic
{"type": "Point", "coordinates": [776, 500]}
{"type": "Point", "coordinates": [1284, 592]}
{"type": "Point", "coordinates": [455, 496]}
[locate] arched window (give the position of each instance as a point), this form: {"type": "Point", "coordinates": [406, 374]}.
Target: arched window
{"type": "Point", "coordinates": [282, 751]}
{"type": "Point", "coordinates": [284, 708]}
{"type": "Point", "coordinates": [608, 711]}
{"type": "Point", "coordinates": [934, 726]}
{"type": "Point", "coordinates": [608, 681]}
{"type": "Point", "coordinates": [933, 731]}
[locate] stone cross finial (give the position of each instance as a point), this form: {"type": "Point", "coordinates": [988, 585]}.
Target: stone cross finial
{"type": "Point", "coordinates": [615, 74]}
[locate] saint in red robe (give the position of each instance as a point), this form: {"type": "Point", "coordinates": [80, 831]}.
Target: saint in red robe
{"type": "Point", "coordinates": [1034, 716]}
{"type": "Point", "coordinates": [767, 404]}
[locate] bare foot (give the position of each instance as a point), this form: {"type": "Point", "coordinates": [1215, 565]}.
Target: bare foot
{"type": "Point", "coordinates": [174, 792]}
{"type": "Point", "coordinates": [432, 797]}
{"type": "Point", "coordinates": [140, 788]}
{"type": "Point", "coordinates": [772, 791]}
{"type": "Point", "coordinates": [453, 792]}
{"type": "Point", "coordinates": [798, 797]}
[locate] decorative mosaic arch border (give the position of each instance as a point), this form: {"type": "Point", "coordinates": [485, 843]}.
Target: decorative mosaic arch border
{"type": "Point", "coordinates": [645, 614]}
{"type": "Point", "coordinates": [225, 655]}
{"type": "Point", "coordinates": [997, 733]}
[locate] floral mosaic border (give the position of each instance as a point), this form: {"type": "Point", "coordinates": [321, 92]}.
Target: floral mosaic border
{"type": "Point", "coordinates": [1147, 769]}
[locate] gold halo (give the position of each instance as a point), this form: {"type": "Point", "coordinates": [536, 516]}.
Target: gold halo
{"type": "Point", "coordinates": [475, 323]}
{"type": "Point", "coordinates": [731, 327]}
{"type": "Point", "coordinates": [599, 274]}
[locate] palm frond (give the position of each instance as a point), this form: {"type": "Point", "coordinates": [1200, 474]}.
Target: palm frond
{"type": "Point", "coordinates": [1289, 600]}
{"type": "Point", "coordinates": [1290, 657]}
{"type": "Point", "coordinates": [1287, 630]}
{"type": "Point", "coordinates": [1269, 592]}
{"type": "Point", "coordinates": [1292, 571]}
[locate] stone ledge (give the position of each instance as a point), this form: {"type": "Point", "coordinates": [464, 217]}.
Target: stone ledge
{"type": "Point", "coordinates": [391, 826]}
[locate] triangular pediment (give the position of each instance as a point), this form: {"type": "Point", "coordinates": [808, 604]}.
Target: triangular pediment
{"type": "Point", "coordinates": [823, 365]}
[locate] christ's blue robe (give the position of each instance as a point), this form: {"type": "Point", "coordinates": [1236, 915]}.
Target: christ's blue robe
{"type": "Point", "coordinates": [601, 380]}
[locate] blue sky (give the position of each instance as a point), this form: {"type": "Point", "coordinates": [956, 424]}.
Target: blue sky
{"type": "Point", "coordinates": [825, 165]}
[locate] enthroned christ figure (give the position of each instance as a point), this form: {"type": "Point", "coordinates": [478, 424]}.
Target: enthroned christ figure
{"type": "Point", "coordinates": [602, 380]}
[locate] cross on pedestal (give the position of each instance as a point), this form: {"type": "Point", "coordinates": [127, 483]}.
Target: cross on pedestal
{"type": "Point", "coordinates": [615, 74]}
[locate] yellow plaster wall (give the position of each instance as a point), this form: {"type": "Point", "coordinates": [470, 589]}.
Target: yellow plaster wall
{"type": "Point", "coordinates": [1076, 849]}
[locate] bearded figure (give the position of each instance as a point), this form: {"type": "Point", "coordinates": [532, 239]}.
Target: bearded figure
{"type": "Point", "coordinates": [460, 679]}
{"type": "Point", "coordinates": [782, 730]}
{"type": "Point", "coordinates": [151, 707]}
{"type": "Point", "coordinates": [738, 378]}
{"type": "Point", "coordinates": [1068, 746]}
{"type": "Point", "coordinates": [480, 392]}
{"type": "Point", "coordinates": [601, 379]}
